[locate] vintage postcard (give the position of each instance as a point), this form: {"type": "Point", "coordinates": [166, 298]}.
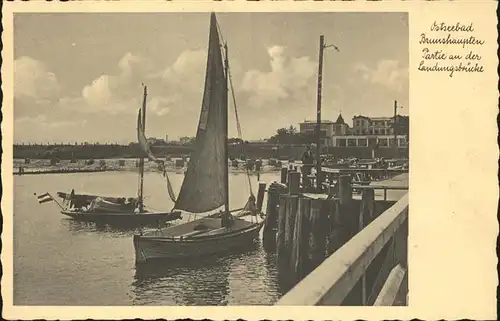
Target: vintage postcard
{"type": "Point", "coordinates": [229, 160]}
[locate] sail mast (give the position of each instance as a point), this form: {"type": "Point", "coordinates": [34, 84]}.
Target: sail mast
{"type": "Point", "coordinates": [226, 133]}
{"type": "Point", "coordinates": [141, 161]}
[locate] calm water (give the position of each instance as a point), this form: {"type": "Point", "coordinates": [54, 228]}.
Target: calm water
{"type": "Point", "coordinates": [58, 261]}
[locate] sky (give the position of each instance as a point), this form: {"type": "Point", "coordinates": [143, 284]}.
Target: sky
{"type": "Point", "coordinates": [78, 76]}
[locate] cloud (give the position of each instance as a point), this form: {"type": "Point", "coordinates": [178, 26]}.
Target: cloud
{"type": "Point", "coordinates": [33, 80]}
{"type": "Point", "coordinates": [289, 77]}
{"type": "Point", "coordinates": [388, 73]}
{"type": "Point", "coordinates": [170, 86]}
{"type": "Point", "coordinates": [162, 105]}
{"type": "Point", "coordinates": [28, 128]}
{"type": "Point", "coordinates": [121, 92]}
{"type": "Point", "coordinates": [187, 72]}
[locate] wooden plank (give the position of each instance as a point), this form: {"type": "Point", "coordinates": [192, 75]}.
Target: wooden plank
{"type": "Point", "coordinates": [315, 196]}
{"type": "Point", "coordinates": [392, 285]}
{"type": "Point", "coordinates": [381, 187]}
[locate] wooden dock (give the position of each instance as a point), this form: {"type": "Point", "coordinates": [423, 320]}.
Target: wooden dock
{"type": "Point", "coordinates": [346, 221]}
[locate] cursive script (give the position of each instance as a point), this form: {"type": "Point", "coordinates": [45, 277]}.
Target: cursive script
{"type": "Point", "coordinates": [451, 48]}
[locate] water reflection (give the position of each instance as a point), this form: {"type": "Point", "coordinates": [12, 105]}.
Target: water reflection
{"type": "Point", "coordinates": [74, 254]}
{"type": "Point", "coordinates": [188, 282]}
{"type": "Point", "coordinates": [79, 227]}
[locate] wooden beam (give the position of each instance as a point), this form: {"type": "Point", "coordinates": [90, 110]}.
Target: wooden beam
{"type": "Point", "coordinates": [392, 285]}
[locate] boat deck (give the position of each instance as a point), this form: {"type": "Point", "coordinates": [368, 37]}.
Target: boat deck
{"type": "Point", "coordinates": [200, 227]}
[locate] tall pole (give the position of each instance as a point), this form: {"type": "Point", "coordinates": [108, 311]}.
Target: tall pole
{"type": "Point", "coordinates": [226, 124]}
{"type": "Point", "coordinates": [318, 114]}
{"type": "Point", "coordinates": [141, 161]}
{"type": "Point", "coordinates": [394, 129]}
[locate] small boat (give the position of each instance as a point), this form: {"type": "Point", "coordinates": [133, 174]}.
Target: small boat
{"type": "Point", "coordinates": [119, 210]}
{"type": "Point", "coordinates": [205, 186]}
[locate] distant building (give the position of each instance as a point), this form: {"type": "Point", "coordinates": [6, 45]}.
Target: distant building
{"type": "Point", "coordinates": [327, 129]}
{"type": "Point", "coordinates": [166, 138]}
{"type": "Point", "coordinates": [365, 132]}
{"type": "Point", "coordinates": [340, 128]}
{"type": "Point", "coordinates": [363, 125]}
{"type": "Point", "coordinates": [379, 141]}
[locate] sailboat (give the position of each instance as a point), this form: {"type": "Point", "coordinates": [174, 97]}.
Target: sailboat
{"type": "Point", "coordinates": [205, 187]}
{"type": "Point", "coordinates": [118, 210]}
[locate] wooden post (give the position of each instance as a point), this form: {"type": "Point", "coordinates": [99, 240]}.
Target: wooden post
{"type": "Point", "coordinates": [318, 113]}
{"type": "Point", "coordinates": [300, 238]}
{"type": "Point", "coordinates": [280, 237]}
{"type": "Point", "coordinates": [270, 224]}
{"type": "Point", "coordinates": [260, 196]}
{"type": "Point", "coordinates": [367, 208]}
{"type": "Point", "coordinates": [291, 213]}
{"type": "Point", "coordinates": [294, 183]}
{"type": "Point", "coordinates": [141, 159]}
{"type": "Point", "coordinates": [337, 231]}
{"type": "Point", "coordinates": [345, 189]}
{"type": "Point", "coordinates": [306, 182]}
{"type": "Point", "coordinates": [284, 175]}
{"type": "Point", "coordinates": [319, 230]}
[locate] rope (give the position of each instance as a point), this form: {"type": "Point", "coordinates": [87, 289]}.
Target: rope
{"type": "Point", "coordinates": [238, 126]}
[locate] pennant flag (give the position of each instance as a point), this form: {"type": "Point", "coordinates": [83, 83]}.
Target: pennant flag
{"type": "Point", "coordinates": [143, 142]}
{"type": "Point", "coordinates": [44, 198]}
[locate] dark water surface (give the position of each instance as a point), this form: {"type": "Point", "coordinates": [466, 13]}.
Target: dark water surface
{"type": "Point", "coordinates": [58, 261]}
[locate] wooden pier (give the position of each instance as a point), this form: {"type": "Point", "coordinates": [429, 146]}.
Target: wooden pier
{"type": "Point", "coordinates": [343, 243]}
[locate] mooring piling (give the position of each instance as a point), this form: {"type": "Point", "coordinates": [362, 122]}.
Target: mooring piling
{"type": "Point", "coordinates": [280, 237]}
{"type": "Point", "coordinates": [319, 230]}
{"type": "Point", "coordinates": [345, 189]}
{"type": "Point", "coordinates": [294, 183]}
{"type": "Point", "coordinates": [260, 196]}
{"type": "Point", "coordinates": [291, 212]}
{"type": "Point", "coordinates": [270, 224]}
{"type": "Point", "coordinates": [300, 243]}
{"type": "Point", "coordinates": [284, 175]}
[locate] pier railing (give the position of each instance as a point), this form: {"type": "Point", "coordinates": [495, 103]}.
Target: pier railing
{"type": "Point", "coordinates": [369, 269]}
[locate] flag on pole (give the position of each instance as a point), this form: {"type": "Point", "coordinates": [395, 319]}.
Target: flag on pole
{"type": "Point", "coordinates": [44, 198]}
{"type": "Point", "coordinates": [143, 142]}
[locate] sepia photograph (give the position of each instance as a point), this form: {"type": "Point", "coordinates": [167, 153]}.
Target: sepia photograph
{"type": "Point", "coordinates": [201, 159]}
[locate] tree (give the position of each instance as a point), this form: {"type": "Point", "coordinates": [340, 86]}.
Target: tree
{"type": "Point", "coordinates": [292, 130]}
{"type": "Point", "coordinates": [234, 141]}
{"type": "Point", "coordinates": [186, 140]}
{"type": "Point", "coordinates": [289, 135]}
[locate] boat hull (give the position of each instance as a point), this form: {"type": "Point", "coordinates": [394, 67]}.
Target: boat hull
{"type": "Point", "coordinates": [148, 248]}
{"type": "Point", "coordinates": [153, 218]}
